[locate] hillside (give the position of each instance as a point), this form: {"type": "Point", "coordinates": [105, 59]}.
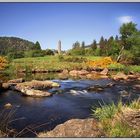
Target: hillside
{"type": "Point", "coordinates": [12, 44]}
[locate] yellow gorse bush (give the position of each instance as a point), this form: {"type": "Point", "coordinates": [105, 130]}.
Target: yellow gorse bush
{"type": "Point", "coordinates": [101, 63]}
{"type": "Point", "coordinates": [3, 62]}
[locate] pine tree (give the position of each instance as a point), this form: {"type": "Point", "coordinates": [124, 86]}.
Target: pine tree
{"type": "Point", "coordinates": [83, 45]}
{"type": "Point", "coordinates": [101, 42]}
{"type": "Point", "coordinates": [116, 38]}
{"type": "Point", "coordinates": [37, 46]}
{"type": "Point", "coordinates": [94, 45]}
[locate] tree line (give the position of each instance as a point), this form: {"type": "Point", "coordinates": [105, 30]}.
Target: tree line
{"type": "Point", "coordinates": [124, 48]}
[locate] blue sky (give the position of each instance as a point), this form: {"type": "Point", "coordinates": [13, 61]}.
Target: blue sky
{"type": "Point", "coordinates": [68, 22]}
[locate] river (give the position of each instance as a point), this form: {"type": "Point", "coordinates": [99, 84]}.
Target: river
{"type": "Point", "coordinates": [71, 100]}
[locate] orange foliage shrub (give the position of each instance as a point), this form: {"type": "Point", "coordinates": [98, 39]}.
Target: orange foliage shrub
{"type": "Point", "coordinates": [3, 62]}
{"type": "Point", "coordinates": [101, 63]}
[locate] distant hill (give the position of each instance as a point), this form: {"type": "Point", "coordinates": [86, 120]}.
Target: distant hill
{"type": "Point", "coordinates": [12, 44]}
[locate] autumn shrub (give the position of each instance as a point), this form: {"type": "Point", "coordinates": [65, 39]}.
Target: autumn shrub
{"type": "Point", "coordinates": [101, 63]}
{"type": "Point", "coordinates": [3, 63]}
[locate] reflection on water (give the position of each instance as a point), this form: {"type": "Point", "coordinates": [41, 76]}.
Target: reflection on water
{"type": "Point", "coordinates": [28, 76]}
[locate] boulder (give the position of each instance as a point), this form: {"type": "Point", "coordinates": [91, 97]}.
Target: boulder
{"type": "Point", "coordinates": [35, 93]}
{"type": "Point", "coordinates": [38, 85]}
{"type": "Point", "coordinates": [64, 75]}
{"type": "Point", "coordinates": [131, 76]}
{"type": "Point", "coordinates": [2, 134]}
{"type": "Point", "coordinates": [75, 128]}
{"type": "Point", "coordinates": [34, 87]}
{"type": "Point", "coordinates": [96, 88]}
{"type": "Point", "coordinates": [8, 105]}
{"type": "Point", "coordinates": [110, 84]}
{"type": "Point", "coordinates": [136, 86]}
{"type": "Point", "coordinates": [90, 76]}
{"type": "Point", "coordinates": [119, 76]}
{"type": "Point", "coordinates": [20, 80]}
{"type": "Point", "coordinates": [73, 73]}
{"type": "Point", "coordinates": [77, 72]}
{"type": "Point", "coordinates": [65, 71]}
{"type": "Point", "coordinates": [94, 72]}
{"type": "Point", "coordinates": [124, 93]}
{"type": "Point", "coordinates": [5, 86]}
{"type": "Point", "coordinates": [138, 78]}
{"type": "Point", "coordinates": [83, 72]}
{"type": "Point", "coordinates": [104, 72]}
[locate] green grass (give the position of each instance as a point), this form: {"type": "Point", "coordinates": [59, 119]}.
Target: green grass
{"type": "Point", "coordinates": [53, 63]}
{"type": "Point", "coordinates": [111, 125]}
{"type": "Point", "coordinates": [126, 69]}
{"type": "Point", "coordinates": [93, 57]}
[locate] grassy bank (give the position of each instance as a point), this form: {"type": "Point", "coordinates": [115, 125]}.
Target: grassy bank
{"type": "Point", "coordinates": [119, 120]}
{"type": "Point", "coordinates": [54, 63]}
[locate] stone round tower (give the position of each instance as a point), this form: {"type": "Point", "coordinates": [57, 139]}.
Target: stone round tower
{"type": "Point", "coordinates": [59, 47]}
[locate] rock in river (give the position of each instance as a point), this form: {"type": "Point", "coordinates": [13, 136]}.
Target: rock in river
{"type": "Point", "coordinates": [34, 87]}
{"type": "Point", "coordinates": [35, 93]}
{"type": "Point", "coordinates": [104, 72]}
{"type": "Point", "coordinates": [8, 105]}
{"type": "Point", "coordinates": [78, 72]}
{"type": "Point", "coordinates": [119, 76]}
{"type": "Point", "coordinates": [124, 93]}
{"type": "Point", "coordinates": [38, 85]}
{"type": "Point", "coordinates": [20, 80]}
{"type": "Point", "coordinates": [12, 83]}
{"type": "Point", "coordinates": [96, 88]}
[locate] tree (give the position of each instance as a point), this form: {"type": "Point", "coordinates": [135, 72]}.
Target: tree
{"type": "Point", "coordinates": [77, 49]}
{"type": "Point", "coordinates": [101, 42]}
{"type": "Point", "coordinates": [135, 40]}
{"type": "Point", "coordinates": [94, 45]}
{"type": "Point", "coordinates": [37, 46]}
{"type": "Point", "coordinates": [126, 31]}
{"type": "Point", "coordinates": [83, 45]}
{"type": "Point", "coordinates": [49, 52]}
{"type": "Point", "coordinates": [116, 38]}
{"type": "Point", "coordinates": [76, 45]}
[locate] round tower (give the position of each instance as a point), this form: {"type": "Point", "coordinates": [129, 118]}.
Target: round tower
{"type": "Point", "coordinates": [59, 47]}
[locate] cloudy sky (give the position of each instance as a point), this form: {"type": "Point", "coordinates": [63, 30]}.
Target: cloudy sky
{"type": "Point", "coordinates": [68, 22]}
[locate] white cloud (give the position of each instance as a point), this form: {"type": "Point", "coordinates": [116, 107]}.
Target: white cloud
{"type": "Point", "coordinates": [125, 19]}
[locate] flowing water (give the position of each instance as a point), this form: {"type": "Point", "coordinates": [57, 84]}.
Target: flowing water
{"type": "Point", "coordinates": [71, 100]}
